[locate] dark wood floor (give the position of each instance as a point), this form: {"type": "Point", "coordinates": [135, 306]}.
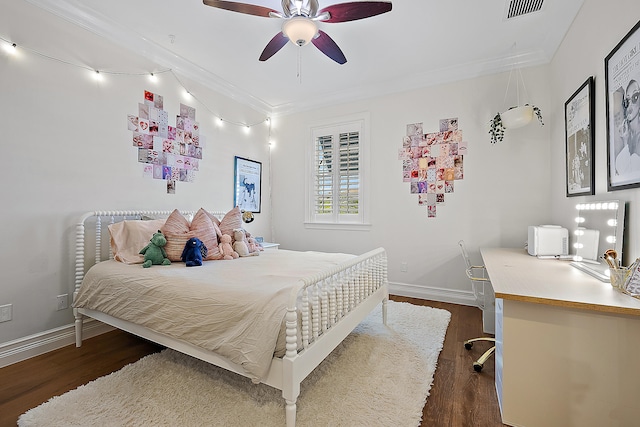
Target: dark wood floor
{"type": "Point", "coordinates": [459, 396]}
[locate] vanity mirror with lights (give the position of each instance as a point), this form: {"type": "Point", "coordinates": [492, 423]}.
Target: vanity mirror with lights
{"type": "Point", "coordinates": [599, 227]}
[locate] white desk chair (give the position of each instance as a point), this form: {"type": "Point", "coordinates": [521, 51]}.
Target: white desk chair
{"type": "Point", "coordinates": [478, 275]}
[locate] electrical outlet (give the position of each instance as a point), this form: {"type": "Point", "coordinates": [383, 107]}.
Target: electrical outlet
{"type": "Point", "coordinates": [5, 312]}
{"type": "Point", "coordinates": [404, 267]}
{"type": "Point", "coordinates": [63, 301]}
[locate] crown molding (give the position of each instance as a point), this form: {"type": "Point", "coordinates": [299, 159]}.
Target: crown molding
{"type": "Point", "coordinates": [75, 13]}
{"type": "Point", "coordinates": [417, 81]}
{"type": "Point", "coordinates": [130, 40]}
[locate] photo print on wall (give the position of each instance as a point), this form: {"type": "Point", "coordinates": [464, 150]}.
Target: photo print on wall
{"type": "Point", "coordinates": [169, 153]}
{"type": "Point", "coordinates": [431, 162]}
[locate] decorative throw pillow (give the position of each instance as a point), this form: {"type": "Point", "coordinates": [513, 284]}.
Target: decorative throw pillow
{"type": "Point", "coordinates": [204, 229]}
{"type": "Point", "coordinates": [129, 236]}
{"type": "Point", "coordinates": [177, 230]}
{"type": "Point", "coordinates": [231, 221]}
{"type": "Point", "coordinates": [216, 222]}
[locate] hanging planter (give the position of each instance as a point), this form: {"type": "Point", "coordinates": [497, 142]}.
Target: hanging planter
{"type": "Point", "coordinates": [517, 117]}
{"type": "Point", "coordinates": [513, 118]}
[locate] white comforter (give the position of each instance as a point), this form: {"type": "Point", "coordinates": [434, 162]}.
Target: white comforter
{"type": "Point", "coordinates": [234, 308]}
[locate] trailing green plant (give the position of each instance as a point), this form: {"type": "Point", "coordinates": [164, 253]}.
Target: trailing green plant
{"type": "Point", "coordinates": [538, 114]}
{"type": "Point", "coordinates": [496, 127]}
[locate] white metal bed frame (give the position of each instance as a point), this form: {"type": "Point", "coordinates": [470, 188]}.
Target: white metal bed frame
{"type": "Point", "coordinates": [333, 304]}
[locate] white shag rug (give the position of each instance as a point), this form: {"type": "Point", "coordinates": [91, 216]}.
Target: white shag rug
{"type": "Point", "coordinates": [379, 376]}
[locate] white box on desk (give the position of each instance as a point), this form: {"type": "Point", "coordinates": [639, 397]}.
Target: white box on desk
{"type": "Point", "coordinates": [547, 240]}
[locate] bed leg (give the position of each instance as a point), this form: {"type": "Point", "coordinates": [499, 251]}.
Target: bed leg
{"type": "Point", "coordinates": [290, 413]}
{"type": "Point", "coordinates": [384, 311]}
{"type": "Point", "coordinates": [78, 325]}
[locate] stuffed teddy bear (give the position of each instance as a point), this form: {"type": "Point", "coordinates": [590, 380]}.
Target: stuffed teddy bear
{"type": "Point", "coordinates": [194, 251]}
{"type": "Point", "coordinates": [226, 248]}
{"type": "Point", "coordinates": [253, 245]}
{"type": "Point", "coordinates": [239, 245]}
{"type": "Point", "coordinates": [154, 253]}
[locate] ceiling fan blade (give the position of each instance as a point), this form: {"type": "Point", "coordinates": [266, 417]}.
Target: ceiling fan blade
{"type": "Point", "coordinates": [329, 47]}
{"type": "Point", "coordinates": [352, 11]}
{"type": "Point", "coordinates": [276, 43]}
{"type": "Point", "coordinates": [249, 9]}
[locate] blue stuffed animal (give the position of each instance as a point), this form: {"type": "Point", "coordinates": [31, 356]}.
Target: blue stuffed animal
{"type": "Point", "coordinates": [194, 252]}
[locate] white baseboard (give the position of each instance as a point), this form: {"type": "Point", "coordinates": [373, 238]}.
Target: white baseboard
{"type": "Point", "coordinates": [34, 345]}
{"type": "Point", "coordinates": [452, 296]}
{"type": "Point", "coordinates": [44, 342]}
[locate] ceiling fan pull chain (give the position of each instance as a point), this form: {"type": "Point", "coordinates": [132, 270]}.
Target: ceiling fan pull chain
{"type": "Point", "coordinates": [518, 88]}
{"type": "Point", "coordinates": [299, 66]}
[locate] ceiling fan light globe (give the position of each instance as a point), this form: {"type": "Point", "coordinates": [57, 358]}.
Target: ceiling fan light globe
{"type": "Point", "coordinates": [300, 30]}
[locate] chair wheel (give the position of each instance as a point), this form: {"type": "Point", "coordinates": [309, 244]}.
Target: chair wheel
{"type": "Point", "coordinates": [468, 345]}
{"type": "Point", "coordinates": [477, 366]}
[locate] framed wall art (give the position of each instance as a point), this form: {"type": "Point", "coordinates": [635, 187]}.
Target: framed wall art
{"type": "Point", "coordinates": [622, 80]}
{"type": "Point", "coordinates": [247, 184]}
{"type": "Point", "coordinates": [579, 120]}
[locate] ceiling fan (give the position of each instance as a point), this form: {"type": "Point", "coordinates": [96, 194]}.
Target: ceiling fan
{"type": "Point", "coordinates": [300, 21]}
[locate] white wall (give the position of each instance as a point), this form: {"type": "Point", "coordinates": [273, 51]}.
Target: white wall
{"type": "Point", "coordinates": [596, 30]}
{"type": "Point", "coordinates": [66, 150]}
{"type": "Point", "coordinates": [505, 187]}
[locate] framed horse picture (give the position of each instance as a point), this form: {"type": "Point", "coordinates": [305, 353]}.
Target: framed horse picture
{"type": "Point", "coordinates": [247, 184]}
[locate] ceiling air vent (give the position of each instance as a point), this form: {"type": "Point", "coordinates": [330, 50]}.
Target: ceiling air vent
{"type": "Point", "coordinates": [517, 8]}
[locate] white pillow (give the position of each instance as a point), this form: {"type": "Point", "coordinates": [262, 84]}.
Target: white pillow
{"type": "Point", "coordinates": [129, 236]}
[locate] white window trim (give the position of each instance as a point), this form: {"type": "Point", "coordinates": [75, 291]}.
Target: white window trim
{"type": "Point", "coordinates": [364, 164]}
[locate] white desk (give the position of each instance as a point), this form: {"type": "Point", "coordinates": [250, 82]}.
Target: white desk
{"type": "Point", "coordinates": [567, 345]}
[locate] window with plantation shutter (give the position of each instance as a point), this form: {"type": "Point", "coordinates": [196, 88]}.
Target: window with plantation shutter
{"type": "Point", "coordinates": [336, 184]}
{"type": "Point", "coordinates": [323, 189]}
{"type": "Point", "coordinates": [349, 173]}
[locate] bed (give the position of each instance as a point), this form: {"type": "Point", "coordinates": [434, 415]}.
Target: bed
{"type": "Point", "coordinates": [272, 318]}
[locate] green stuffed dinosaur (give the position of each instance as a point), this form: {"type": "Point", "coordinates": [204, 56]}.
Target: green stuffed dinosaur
{"type": "Point", "coordinates": [154, 253]}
